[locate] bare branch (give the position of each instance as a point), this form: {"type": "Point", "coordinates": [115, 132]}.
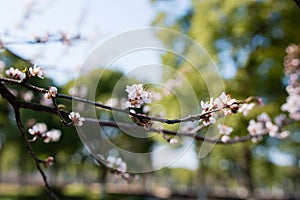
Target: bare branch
{"type": "Point", "coordinates": [32, 153]}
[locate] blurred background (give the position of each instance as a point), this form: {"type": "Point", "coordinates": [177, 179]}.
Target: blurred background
{"type": "Point", "coordinates": [245, 38]}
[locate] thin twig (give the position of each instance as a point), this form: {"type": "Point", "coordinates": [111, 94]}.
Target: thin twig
{"type": "Point", "coordinates": [42, 41]}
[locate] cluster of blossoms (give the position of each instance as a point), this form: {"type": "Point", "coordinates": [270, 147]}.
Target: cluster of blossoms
{"type": "Point", "coordinates": [226, 104]}
{"type": "Point", "coordinates": [116, 163]}
{"type": "Point", "coordinates": [264, 125]}
{"type": "Point", "coordinates": [15, 73]}
{"type": "Point", "coordinates": [224, 132]}
{"type": "Point", "coordinates": [40, 130]}
{"type": "Point", "coordinates": [36, 70]}
{"type": "Point", "coordinates": [137, 96]}
{"type": "Point", "coordinates": [76, 118]}
{"type": "Point", "coordinates": [51, 92]}
{"type": "Point", "coordinates": [292, 71]}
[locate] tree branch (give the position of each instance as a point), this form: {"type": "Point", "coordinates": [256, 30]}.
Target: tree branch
{"type": "Point", "coordinates": [99, 105]}
{"type": "Point", "coordinates": [5, 93]}
{"type": "Point", "coordinates": [32, 153]}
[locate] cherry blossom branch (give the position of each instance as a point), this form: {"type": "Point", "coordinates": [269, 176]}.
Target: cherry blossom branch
{"type": "Point", "coordinates": [224, 103]}
{"type": "Point", "coordinates": [16, 107]}
{"type": "Point", "coordinates": [50, 38]}
{"type": "Point", "coordinates": [127, 126]}
{"type": "Point", "coordinates": [33, 155]}
{"type": "Point", "coordinates": [143, 119]}
{"type": "Point", "coordinates": [99, 105]}
{"type": "Point", "coordinates": [192, 134]}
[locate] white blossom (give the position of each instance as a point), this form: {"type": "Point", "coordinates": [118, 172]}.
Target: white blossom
{"type": "Point", "coordinates": [110, 160]}
{"type": "Point", "coordinates": [209, 120]}
{"type": "Point", "coordinates": [37, 70]}
{"type": "Point", "coordinates": [121, 166]}
{"type": "Point", "coordinates": [245, 108]}
{"type": "Point", "coordinates": [28, 96]}
{"type": "Point", "coordinates": [224, 98]}
{"type": "Point", "coordinates": [224, 130]}
{"type": "Point", "coordinates": [217, 104]}
{"type": "Point", "coordinates": [51, 92]}
{"type": "Point", "coordinates": [272, 128]}
{"type": "Point", "coordinates": [292, 106]}
{"type": "Point", "coordinates": [38, 129]}
{"type": "Point", "coordinates": [205, 105]}
{"type": "Point", "coordinates": [76, 118]}
{"type": "Point", "coordinates": [255, 128]}
{"type": "Point", "coordinates": [263, 117]}
{"type": "Point", "coordinates": [283, 134]}
{"type": "Point", "coordinates": [137, 96]}
{"type": "Point", "coordinates": [291, 48]}
{"type": "Point", "coordinates": [116, 163]}
{"type": "Point", "coordinates": [223, 102]}
{"type": "Point", "coordinates": [52, 136]}
{"type": "Point", "coordinates": [173, 141]}
{"type": "Point", "coordinates": [280, 119]}
{"type": "Point", "coordinates": [225, 138]}
{"type": "Point", "coordinates": [49, 161]}
{"type": "Point", "coordinates": [15, 73]}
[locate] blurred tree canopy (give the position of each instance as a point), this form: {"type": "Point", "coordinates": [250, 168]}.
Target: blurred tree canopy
{"type": "Point", "coordinates": [247, 40]}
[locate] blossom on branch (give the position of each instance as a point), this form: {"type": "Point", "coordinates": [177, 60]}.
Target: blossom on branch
{"type": "Point", "coordinates": [15, 74]}
{"type": "Point", "coordinates": [292, 71]}
{"type": "Point", "coordinates": [224, 131]}
{"type": "Point", "coordinates": [137, 96]}
{"type": "Point", "coordinates": [116, 163]}
{"type": "Point", "coordinates": [76, 118]}
{"type": "Point", "coordinates": [49, 161]}
{"type": "Point", "coordinates": [37, 70]}
{"type": "Point", "coordinates": [255, 128]}
{"type": "Point", "coordinates": [223, 102]}
{"type": "Point", "coordinates": [264, 125]}
{"type": "Point", "coordinates": [38, 129]}
{"type": "Point", "coordinates": [245, 108]}
{"type": "Point", "coordinates": [51, 92]}
{"type": "Point", "coordinates": [52, 136]}
{"type": "Point", "coordinates": [209, 120]}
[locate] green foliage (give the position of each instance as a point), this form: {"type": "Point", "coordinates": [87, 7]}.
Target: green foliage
{"type": "Point", "coordinates": [247, 40]}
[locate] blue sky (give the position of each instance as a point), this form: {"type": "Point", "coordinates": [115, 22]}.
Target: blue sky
{"type": "Point", "coordinates": [95, 20]}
